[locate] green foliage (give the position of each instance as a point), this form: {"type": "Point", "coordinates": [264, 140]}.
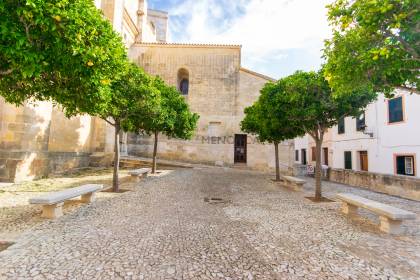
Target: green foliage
{"type": "Point", "coordinates": [375, 45]}
{"type": "Point", "coordinates": [266, 117]}
{"type": "Point", "coordinates": [306, 100]}
{"type": "Point", "coordinates": [171, 116]}
{"type": "Point", "coordinates": [133, 96]}
{"type": "Point", "coordinates": [59, 50]}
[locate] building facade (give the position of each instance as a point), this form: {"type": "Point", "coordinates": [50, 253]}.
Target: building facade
{"type": "Point", "coordinates": [37, 139]}
{"type": "Point", "coordinates": [381, 147]}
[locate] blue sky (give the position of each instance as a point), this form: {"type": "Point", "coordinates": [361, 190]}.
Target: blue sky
{"type": "Point", "coordinates": [278, 37]}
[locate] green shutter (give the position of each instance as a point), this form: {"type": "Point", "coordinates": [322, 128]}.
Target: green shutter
{"type": "Point", "coordinates": [395, 110]}
{"type": "Point", "coordinates": [347, 160]}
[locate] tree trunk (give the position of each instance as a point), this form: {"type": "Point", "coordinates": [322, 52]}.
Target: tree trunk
{"type": "Point", "coordinates": [276, 150]}
{"type": "Point", "coordinates": [154, 163]}
{"type": "Point", "coordinates": [318, 175]}
{"type": "Point", "coordinates": [115, 186]}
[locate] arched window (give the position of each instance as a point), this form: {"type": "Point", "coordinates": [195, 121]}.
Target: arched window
{"type": "Point", "coordinates": [183, 86]}
{"type": "Point", "coordinates": [183, 81]}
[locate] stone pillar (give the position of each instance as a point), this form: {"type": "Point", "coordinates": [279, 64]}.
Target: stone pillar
{"type": "Point", "coordinates": [390, 226]}
{"type": "Point", "coordinates": [88, 198]}
{"type": "Point", "coordinates": [348, 209]}
{"type": "Point", "coordinates": [52, 211]}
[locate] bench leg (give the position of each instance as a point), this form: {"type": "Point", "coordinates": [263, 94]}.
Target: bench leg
{"type": "Point", "coordinates": [390, 226]}
{"type": "Point", "coordinates": [88, 198]}
{"type": "Point", "coordinates": [348, 209]}
{"type": "Point", "coordinates": [136, 179]}
{"type": "Point", "coordinates": [52, 211]}
{"type": "Point", "coordinates": [297, 187]}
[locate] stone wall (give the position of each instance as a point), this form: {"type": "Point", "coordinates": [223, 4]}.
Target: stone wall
{"type": "Point", "coordinates": [402, 186]}
{"type": "Point", "coordinates": [219, 91]}
{"type": "Point", "coordinates": [18, 166]}
{"type": "Point", "coordinates": [37, 139]}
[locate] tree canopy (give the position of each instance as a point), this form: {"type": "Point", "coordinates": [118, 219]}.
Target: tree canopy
{"type": "Point", "coordinates": [266, 119]}
{"type": "Point", "coordinates": [171, 116]}
{"type": "Point", "coordinates": [305, 100]}
{"type": "Point", "coordinates": [375, 45]}
{"type": "Point", "coordinates": [133, 96]}
{"type": "Point", "coordinates": [59, 50]}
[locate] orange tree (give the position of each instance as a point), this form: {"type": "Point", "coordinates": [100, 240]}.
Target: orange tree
{"type": "Point", "coordinates": [266, 119]}
{"type": "Point", "coordinates": [58, 50]}
{"type": "Point", "coordinates": [375, 45]}
{"type": "Point", "coordinates": [170, 116]}
{"type": "Point", "coordinates": [305, 101]}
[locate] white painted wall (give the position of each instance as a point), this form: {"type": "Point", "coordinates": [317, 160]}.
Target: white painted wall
{"type": "Point", "coordinates": [388, 139]}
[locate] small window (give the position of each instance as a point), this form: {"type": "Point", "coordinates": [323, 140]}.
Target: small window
{"type": "Point", "coordinates": [313, 153]}
{"type": "Point", "coordinates": [183, 81]}
{"type": "Point", "coordinates": [395, 110]}
{"type": "Point", "coordinates": [361, 122]}
{"type": "Point", "coordinates": [347, 160]}
{"type": "Point", "coordinates": [341, 126]}
{"type": "Point", "coordinates": [183, 86]}
{"type": "Point", "coordinates": [303, 159]}
{"type": "Point", "coordinates": [297, 155]}
{"type": "Point", "coordinates": [405, 165]}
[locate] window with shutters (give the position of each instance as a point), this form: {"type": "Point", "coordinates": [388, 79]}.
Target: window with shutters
{"type": "Point", "coordinates": [405, 165]}
{"type": "Point", "coordinates": [347, 160]}
{"type": "Point", "coordinates": [297, 155]}
{"type": "Point", "coordinates": [341, 126]}
{"type": "Point", "coordinates": [361, 122]}
{"type": "Point", "coordinates": [395, 110]}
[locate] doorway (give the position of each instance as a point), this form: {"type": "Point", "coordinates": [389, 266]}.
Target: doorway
{"type": "Point", "coordinates": [364, 166]}
{"type": "Point", "coordinates": [325, 156]}
{"type": "Point", "coordinates": [240, 148]}
{"type": "Point", "coordinates": [303, 157]}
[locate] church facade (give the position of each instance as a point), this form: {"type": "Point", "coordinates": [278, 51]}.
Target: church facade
{"type": "Point", "coordinates": [36, 140]}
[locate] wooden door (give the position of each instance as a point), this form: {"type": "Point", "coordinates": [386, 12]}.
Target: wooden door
{"type": "Point", "coordinates": [364, 165]}
{"type": "Point", "coordinates": [325, 156]}
{"type": "Point", "coordinates": [240, 148]}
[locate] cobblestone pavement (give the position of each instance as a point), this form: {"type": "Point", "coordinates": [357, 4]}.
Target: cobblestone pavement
{"type": "Point", "coordinates": [164, 229]}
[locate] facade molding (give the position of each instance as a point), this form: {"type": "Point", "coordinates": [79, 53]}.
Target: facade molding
{"type": "Point", "coordinates": [258, 74]}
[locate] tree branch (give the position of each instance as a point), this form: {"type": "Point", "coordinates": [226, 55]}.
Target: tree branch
{"type": "Point", "coordinates": [113, 124]}
{"type": "Point", "coordinates": [313, 135]}
{"type": "Point", "coordinates": [410, 89]}
{"type": "Point", "coordinates": [6, 72]}
{"type": "Point", "coordinates": [404, 44]}
{"type": "Point", "coordinates": [26, 29]}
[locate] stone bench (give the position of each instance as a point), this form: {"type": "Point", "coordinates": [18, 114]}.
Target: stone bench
{"type": "Point", "coordinates": [293, 182]}
{"type": "Point", "coordinates": [52, 203]}
{"type": "Point", "coordinates": [138, 173]}
{"type": "Point", "coordinates": [390, 217]}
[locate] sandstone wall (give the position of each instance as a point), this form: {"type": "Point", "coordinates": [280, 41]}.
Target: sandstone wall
{"type": "Point", "coordinates": [37, 139]}
{"type": "Point", "coordinates": [402, 186]}
{"type": "Point", "coordinates": [219, 91]}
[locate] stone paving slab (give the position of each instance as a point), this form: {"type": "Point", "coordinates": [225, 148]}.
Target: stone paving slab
{"type": "Point", "coordinates": [165, 230]}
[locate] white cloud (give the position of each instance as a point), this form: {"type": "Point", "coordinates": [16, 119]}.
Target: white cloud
{"type": "Point", "coordinates": [267, 29]}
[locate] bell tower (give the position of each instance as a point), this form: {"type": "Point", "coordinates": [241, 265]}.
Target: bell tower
{"type": "Point", "coordinates": [141, 19]}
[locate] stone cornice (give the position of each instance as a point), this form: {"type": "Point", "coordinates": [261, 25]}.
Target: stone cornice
{"type": "Point", "coordinates": [257, 74]}
{"type": "Point", "coordinates": [187, 45]}
{"type": "Point", "coordinates": [130, 22]}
